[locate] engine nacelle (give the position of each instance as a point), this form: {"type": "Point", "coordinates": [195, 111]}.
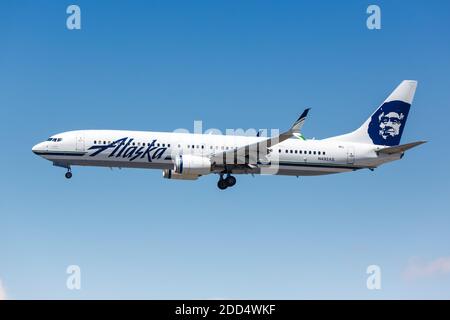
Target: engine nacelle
{"type": "Point", "coordinates": [170, 174]}
{"type": "Point", "coordinates": [192, 165]}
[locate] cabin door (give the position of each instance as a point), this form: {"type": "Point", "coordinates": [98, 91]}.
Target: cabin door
{"type": "Point", "coordinates": [350, 155]}
{"type": "Point", "coordinates": [80, 143]}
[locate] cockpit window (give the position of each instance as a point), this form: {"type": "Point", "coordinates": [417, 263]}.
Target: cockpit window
{"type": "Point", "coordinates": [59, 139]}
{"type": "Point", "coordinates": [49, 139]}
{"type": "Point", "coordinates": [54, 139]}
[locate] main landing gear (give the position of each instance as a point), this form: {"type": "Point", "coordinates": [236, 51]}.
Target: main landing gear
{"type": "Point", "coordinates": [224, 183]}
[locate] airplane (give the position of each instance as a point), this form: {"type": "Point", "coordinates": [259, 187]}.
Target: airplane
{"type": "Point", "coordinates": [188, 156]}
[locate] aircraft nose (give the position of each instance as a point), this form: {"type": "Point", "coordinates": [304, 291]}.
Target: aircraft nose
{"type": "Point", "coordinates": [39, 148]}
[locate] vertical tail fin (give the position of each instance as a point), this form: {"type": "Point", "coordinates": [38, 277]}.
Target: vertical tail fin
{"type": "Point", "coordinates": [385, 126]}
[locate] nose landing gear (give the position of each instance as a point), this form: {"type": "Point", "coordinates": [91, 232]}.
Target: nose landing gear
{"type": "Point", "coordinates": [68, 174]}
{"type": "Point", "coordinates": [224, 183]}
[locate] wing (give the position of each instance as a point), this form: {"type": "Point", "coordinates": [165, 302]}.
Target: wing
{"type": "Point", "coordinates": [251, 153]}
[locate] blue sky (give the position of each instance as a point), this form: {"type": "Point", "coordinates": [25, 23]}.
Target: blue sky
{"type": "Point", "coordinates": [160, 65]}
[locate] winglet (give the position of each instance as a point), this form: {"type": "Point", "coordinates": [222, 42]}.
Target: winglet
{"type": "Point", "coordinates": [297, 126]}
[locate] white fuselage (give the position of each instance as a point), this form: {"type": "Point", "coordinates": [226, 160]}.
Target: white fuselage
{"type": "Point", "coordinates": [187, 156]}
{"type": "Point", "coordinates": [159, 150]}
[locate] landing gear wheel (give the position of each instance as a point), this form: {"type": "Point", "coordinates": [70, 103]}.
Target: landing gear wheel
{"type": "Point", "coordinates": [222, 184]}
{"type": "Point", "coordinates": [230, 180]}
{"type": "Point", "coordinates": [68, 174]}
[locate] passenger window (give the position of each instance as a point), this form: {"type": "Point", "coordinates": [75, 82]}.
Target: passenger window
{"type": "Point", "coordinates": [314, 152]}
{"type": "Point", "coordinates": [324, 153]}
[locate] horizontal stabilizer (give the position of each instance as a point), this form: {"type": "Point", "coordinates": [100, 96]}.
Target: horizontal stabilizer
{"type": "Point", "coordinates": [401, 148]}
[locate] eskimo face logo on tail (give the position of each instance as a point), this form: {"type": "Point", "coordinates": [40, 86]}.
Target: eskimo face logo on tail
{"type": "Point", "coordinates": [387, 123]}
{"type": "Point", "coordinates": [125, 148]}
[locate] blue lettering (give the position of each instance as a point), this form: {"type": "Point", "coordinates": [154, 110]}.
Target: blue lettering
{"type": "Point", "coordinates": [122, 148]}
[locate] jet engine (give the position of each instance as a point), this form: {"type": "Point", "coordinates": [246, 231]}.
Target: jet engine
{"type": "Point", "coordinates": [192, 165]}
{"type": "Point", "coordinates": [170, 174]}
